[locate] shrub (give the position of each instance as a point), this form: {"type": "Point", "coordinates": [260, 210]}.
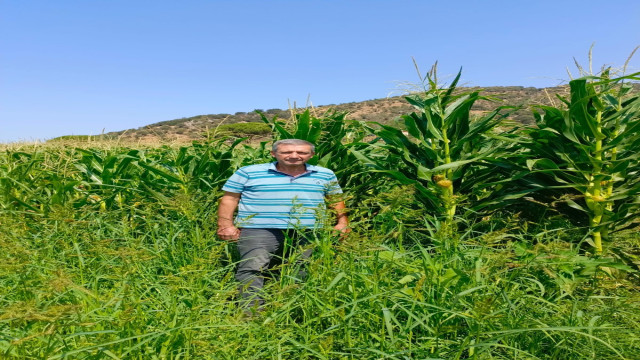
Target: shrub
{"type": "Point", "coordinates": [243, 129]}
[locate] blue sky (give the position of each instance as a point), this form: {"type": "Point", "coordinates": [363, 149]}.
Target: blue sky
{"type": "Point", "coordinates": [78, 67]}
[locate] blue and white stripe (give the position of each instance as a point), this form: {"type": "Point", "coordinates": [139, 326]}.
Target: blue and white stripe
{"type": "Point", "coordinates": [274, 200]}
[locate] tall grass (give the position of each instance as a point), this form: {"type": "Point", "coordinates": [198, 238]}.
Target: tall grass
{"type": "Point", "coordinates": [92, 288]}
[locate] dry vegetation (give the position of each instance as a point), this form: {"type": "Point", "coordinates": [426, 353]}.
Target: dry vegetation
{"type": "Point", "coordinates": [385, 111]}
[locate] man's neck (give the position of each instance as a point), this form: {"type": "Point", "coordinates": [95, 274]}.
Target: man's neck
{"type": "Point", "coordinates": [291, 170]}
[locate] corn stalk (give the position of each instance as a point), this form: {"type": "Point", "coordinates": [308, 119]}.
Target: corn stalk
{"type": "Point", "coordinates": [441, 146]}
{"type": "Point", "coordinates": [590, 147]}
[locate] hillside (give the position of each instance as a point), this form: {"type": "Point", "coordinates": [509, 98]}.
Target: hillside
{"type": "Point", "coordinates": [385, 110]}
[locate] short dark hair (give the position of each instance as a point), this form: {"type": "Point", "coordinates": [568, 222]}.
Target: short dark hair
{"type": "Point", "coordinates": [274, 148]}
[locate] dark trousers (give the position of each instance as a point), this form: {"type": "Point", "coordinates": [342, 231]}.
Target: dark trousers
{"type": "Point", "coordinates": [259, 250]}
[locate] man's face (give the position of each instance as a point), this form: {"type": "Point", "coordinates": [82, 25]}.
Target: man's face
{"type": "Point", "coordinates": [291, 155]}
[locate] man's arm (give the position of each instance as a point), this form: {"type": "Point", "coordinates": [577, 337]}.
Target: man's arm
{"type": "Point", "coordinates": [228, 205]}
{"type": "Point", "coordinates": [342, 220]}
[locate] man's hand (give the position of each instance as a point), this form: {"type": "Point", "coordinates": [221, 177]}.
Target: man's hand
{"type": "Point", "coordinates": [231, 233]}
{"type": "Point", "coordinates": [343, 228]}
{"type": "Point", "coordinates": [226, 229]}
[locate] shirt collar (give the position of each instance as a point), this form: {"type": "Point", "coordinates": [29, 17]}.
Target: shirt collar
{"type": "Point", "coordinates": [309, 167]}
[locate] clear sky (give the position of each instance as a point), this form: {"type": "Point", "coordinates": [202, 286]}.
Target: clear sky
{"type": "Point", "coordinates": [81, 66]}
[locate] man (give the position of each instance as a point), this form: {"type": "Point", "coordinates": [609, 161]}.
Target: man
{"type": "Point", "coordinates": [273, 200]}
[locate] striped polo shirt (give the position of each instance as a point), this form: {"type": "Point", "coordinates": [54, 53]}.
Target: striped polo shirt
{"type": "Point", "coordinates": [275, 200]}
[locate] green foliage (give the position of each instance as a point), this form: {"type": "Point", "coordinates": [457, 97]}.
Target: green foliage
{"type": "Point", "coordinates": [143, 282]}
{"type": "Point", "coordinates": [590, 148]}
{"type": "Point", "coordinates": [112, 178]}
{"type": "Point", "coordinates": [243, 129]}
{"type": "Point", "coordinates": [441, 147]}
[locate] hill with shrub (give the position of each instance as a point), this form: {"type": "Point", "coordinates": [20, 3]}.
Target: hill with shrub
{"type": "Point", "coordinates": [384, 110]}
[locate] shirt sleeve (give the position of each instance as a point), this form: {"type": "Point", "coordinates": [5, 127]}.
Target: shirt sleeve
{"type": "Point", "coordinates": [236, 182]}
{"type": "Point", "coordinates": [333, 187]}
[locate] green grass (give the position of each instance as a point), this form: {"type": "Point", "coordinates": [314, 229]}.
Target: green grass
{"type": "Point", "coordinates": [243, 129]}
{"type": "Point", "coordinates": [141, 283]}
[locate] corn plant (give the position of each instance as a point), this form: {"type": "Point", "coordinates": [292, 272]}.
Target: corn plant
{"type": "Point", "coordinates": [34, 182]}
{"type": "Point", "coordinates": [205, 166]}
{"type": "Point", "coordinates": [440, 147]}
{"type": "Point", "coordinates": [589, 148]}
